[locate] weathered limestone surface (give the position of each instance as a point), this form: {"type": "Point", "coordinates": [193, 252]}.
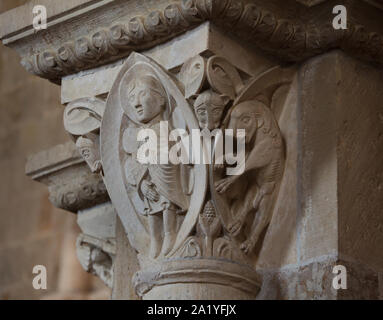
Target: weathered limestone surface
{"type": "Point", "coordinates": [102, 31]}
{"type": "Point", "coordinates": [310, 196]}
{"type": "Point", "coordinates": [31, 229]}
{"type": "Point", "coordinates": [341, 174]}
{"type": "Point", "coordinates": [280, 244]}
{"type": "Point", "coordinates": [171, 55]}
{"type": "Point", "coordinates": [126, 266]}
{"type": "Point", "coordinates": [72, 186]}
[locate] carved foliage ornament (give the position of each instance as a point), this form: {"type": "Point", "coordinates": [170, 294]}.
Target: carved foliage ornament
{"type": "Point", "coordinates": [290, 40]}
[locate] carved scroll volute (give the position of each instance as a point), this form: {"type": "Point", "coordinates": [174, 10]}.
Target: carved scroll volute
{"type": "Point", "coordinates": [193, 75]}
{"type": "Point", "coordinates": [157, 213]}
{"type": "Point", "coordinates": [82, 120]}
{"type": "Point", "coordinates": [224, 77]}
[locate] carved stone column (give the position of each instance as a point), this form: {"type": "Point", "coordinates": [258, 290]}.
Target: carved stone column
{"type": "Point", "coordinates": [306, 95]}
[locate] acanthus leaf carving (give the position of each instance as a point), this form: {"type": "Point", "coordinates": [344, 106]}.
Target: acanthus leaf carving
{"type": "Point", "coordinates": [174, 17]}
{"type": "Point", "coordinates": [224, 77]}
{"type": "Point", "coordinates": [102, 42]}
{"type": "Point", "coordinates": [289, 39]}
{"type": "Point", "coordinates": [119, 37]}
{"type": "Point", "coordinates": [156, 24]}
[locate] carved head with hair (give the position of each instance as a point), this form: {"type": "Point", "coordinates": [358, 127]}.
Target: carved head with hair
{"type": "Point", "coordinates": [248, 116]}
{"type": "Point", "coordinates": [89, 150]}
{"type": "Point", "coordinates": [143, 98]}
{"type": "Point", "coordinates": [252, 116]}
{"type": "Point", "coordinates": [209, 108]}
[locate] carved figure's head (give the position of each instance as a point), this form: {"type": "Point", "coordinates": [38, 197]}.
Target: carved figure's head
{"type": "Point", "coordinates": [209, 108]}
{"type": "Point", "coordinates": [247, 116]}
{"type": "Point", "coordinates": [146, 97]}
{"type": "Point", "coordinates": [89, 150]}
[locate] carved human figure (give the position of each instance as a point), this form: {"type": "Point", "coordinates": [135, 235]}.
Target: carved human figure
{"type": "Point", "coordinates": [90, 150]}
{"type": "Point", "coordinates": [209, 107]}
{"type": "Point", "coordinates": [82, 120]}
{"type": "Point", "coordinates": [263, 169]}
{"type": "Point", "coordinates": [146, 103]}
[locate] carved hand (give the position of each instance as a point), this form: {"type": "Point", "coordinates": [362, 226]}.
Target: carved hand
{"type": "Point", "coordinates": [235, 226]}
{"type": "Point", "coordinates": [248, 246]}
{"type": "Point", "coordinates": [224, 184]}
{"type": "Point", "coordinates": [97, 167]}
{"type": "Point", "coordinates": [149, 191]}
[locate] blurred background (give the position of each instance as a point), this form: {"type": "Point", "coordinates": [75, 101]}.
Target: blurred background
{"type": "Point", "coordinates": [32, 231]}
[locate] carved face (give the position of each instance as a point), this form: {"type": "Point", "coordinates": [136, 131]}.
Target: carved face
{"type": "Point", "coordinates": [209, 108]}
{"type": "Point", "coordinates": [146, 98]}
{"type": "Point", "coordinates": [244, 116]}
{"type": "Point", "coordinates": [89, 150]}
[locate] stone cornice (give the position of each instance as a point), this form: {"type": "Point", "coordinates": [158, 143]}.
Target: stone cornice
{"type": "Point", "coordinates": [16, 24]}
{"type": "Point", "coordinates": [48, 162]}
{"type": "Point", "coordinates": [282, 33]}
{"type": "Point", "coordinates": [83, 193]}
{"type": "Point", "coordinates": [72, 186]}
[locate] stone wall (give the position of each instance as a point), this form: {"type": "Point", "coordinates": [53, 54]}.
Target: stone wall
{"type": "Point", "coordinates": [32, 231]}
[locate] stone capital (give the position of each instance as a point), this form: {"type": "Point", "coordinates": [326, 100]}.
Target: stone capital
{"type": "Point", "coordinates": [308, 97]}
